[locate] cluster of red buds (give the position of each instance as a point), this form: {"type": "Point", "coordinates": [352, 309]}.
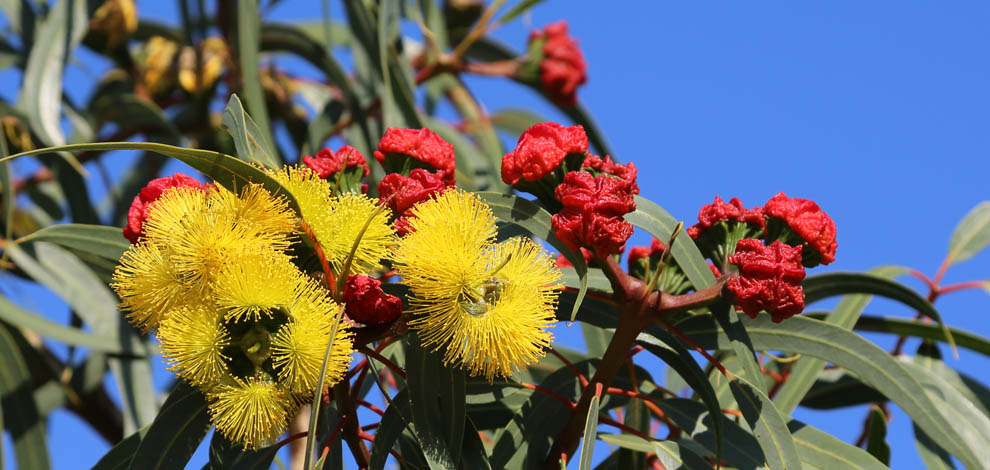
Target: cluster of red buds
{"type": "Point", "coordinates": [769, 247]}
{"type": "Point", "coordinates": [138, 213]}
{"type": "Point", "coordinates": [562, 68]}
{"type": "Point", "coordinates": [588, 194]}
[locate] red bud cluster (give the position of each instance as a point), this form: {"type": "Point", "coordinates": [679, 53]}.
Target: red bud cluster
{"type": "Point", "coordinates": [805, 218]}
{"type": "Point", "coordinates": [593, 210]}
{"type": "Point", "coordinates": [599, 165]}
{"type": "Point", "coordinates": [717, 211]}
{"type": "Point", "coordinates": [422, 145]}
{"type": "Point", "coordinates": [326, 163]}
{"type": "Point", "coordinates": [769, 279]}
{"type": "Point", "coordinates": [540, 150]}
{"type": "Point", "coordinates": [401, 193]}
{"type": "Point", "coordinates": [563, 68]}
{"type": "Point", "coordinates": [367, 303]}
{"type": "Point", "coordinates": [138, 212]}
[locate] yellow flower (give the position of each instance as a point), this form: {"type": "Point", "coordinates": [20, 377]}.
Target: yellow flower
{"type": "Point", "coordinates": [197, 77]}
{"type": "Point", "coordinates": [149, 285]}
{"type": "Point", "coordinates": [158, 73]}
{"type": "Point", "coordinates": [252, 412]}
{"type": "Point", "coordinates": [311, 193]}
{"type": "Point", "coordinates": [255, 283]}
{"type": "Point", "coordinates": [336, 221]}
{"type": "Point", "coordinates": [299, 346]}
{"type": "Point", "coordinates": [346, 218]}
{"type": "Point", "coordinates": [488, 306]}
{"type": "Point", "coordinates": [193, 339]}
{"type": "Point", "coordinates": [264, 215]}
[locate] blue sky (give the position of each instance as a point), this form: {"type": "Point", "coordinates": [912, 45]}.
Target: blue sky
{"type": "Point", "coordinates": [876, 110]}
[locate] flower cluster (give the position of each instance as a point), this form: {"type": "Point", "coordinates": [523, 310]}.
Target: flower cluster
{"type": "Point", "coordinates": [589, 194]}
{"type": "Point", "coordinates": [562, 66]}
{"type": "Point", "coordinates": [138, 212]}
{"type": "Point", "coordinates": [345, 167]}
{"type": "Point", "coordinates": [487, 305]}
{"type": "Point", "coordinates": [234, 314]}
{"type": "Point", "coordinates": [770, 246]}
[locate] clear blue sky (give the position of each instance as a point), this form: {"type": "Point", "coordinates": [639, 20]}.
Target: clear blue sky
{"type": "Point", "coordinates": [876, 110]}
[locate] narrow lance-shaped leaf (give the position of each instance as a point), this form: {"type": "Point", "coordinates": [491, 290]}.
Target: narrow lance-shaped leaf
{"type": "Point", "coordinates": [248, 44]}
{"type": "Point", "coordinates": [971, 235]}
{"type": "Point", "coordinates": [24, 422]}
{"type": "Point", "coordinates": [250, 139]}
{"type": "Point", "coordinates": [844, 349]}
{"type": "Point", "coordinates": [804, 371]}
{"type": "Point", "coordinates": [876, 436]}
{"type": "Point", "coordinates": [672, 454]}
{"type": "Point", "coordinates": [590, 432]}
{"type": "Point", "coordinates": [658, 222]}
{"type": "Point", "coordinates": [100, 240]}
{"type": "Point", "coordinates": [767, 424]}
{"type": "Point", "coordinates": [176, 432]}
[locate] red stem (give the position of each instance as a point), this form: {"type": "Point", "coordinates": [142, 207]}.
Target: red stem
{"type": "Point", "coordinates": [571, 366]}
{"type": "Point", "coordinates": [391, 365]}
{"type": "Point", "coordinates": [962, 286]}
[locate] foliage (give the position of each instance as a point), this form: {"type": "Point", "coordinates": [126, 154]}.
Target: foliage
{"type": "Point", "coordinates": [724, 402]}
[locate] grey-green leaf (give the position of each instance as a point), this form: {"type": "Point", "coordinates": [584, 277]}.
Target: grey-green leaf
{"type": "Point", "coordinates": [175, 433]}
{"type": "Point", "coordinates": [658, 222]}
{"type": "Point", "coordinates": [767, 424]}
{"type": "Point", "coordinates": [23, 420]}
{"type": "Point", "coordinates": [251, 140]}
{"type": "Point", "coordinates": [972, 234]}
{"type": "Point", "coordinates": [100, 240]}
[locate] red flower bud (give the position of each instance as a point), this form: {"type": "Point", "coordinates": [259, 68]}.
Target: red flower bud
{"type": "Point", "coordinates": [540, 150]}
{"type": "Point", "coordinates": [627, 171]}
{"type": "Point", "coordinates": [807, 220]}
{"type": "Point", "coordinates": [715, 270]}
{"type": "Point", "coordinates": [593, 212]}
{"type": "Point", "coordinates": [367, 303]}
{"type": "Point", "coordinates": [423, 145]}
{"type": "Point", "coordinates": [419, 186]}
{"type": "Point", "coordinates": [769, 278]}
{"type": "Point", "coordinates": [563, 262]}
{"type": "Point", "coordinates": [327, 163]}
{"type": "Point", "coordinates": [138, 212]}
{"type": "Point", "coordinates": [711, 214]}
{"type": "Point", "coordinates": [563, 68]}
{"type": "Point", "coordinates": [637, 253]}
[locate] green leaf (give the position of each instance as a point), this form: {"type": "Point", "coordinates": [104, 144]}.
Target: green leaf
{"type": "Point", "coordinates": [525, 441]}
{"type": "Point", "coordinates": [658, 222]}
{"type": "Point", "coordinates": [821, 450]}
{"type": "Point", "coordinates": [473, 455]}
{"type": "Point", "coordinates": [132, 111]}
{"type": "Point", "coordinates": [100, 240]}
{"type": "Point", "coordinates": [674, 455]}
{"type": "Point", "coordinates": [934, 457]}
{"type": "Point", "coordinates": [534, 218]}
{"type": "Point", "coordinates": [517, 10]}
{"type": "Point", "coordinates": [839, 283]}
{"type": "Point", "coordinates": [844, 349]}
{"type": "Point", "coordinates": [248, 43]}
{"type": "Point", "coordinates": [227, 455]}
{"type": "Point", "coordinates": [397, 417]}
{"type": "Point", "coordinates": [804, 371]}
{"type": "Point", "coordinates": [120, 456]}
{"type": "Point", "coordinates": [251, 141]}
{"type": "Point", "coordinates": [70, 336]}
{"type": "Point", "coordinates": [974, 391]}
{"type": "Point", "coordinates": [595, 339]}
{"type": "Point", "coordinates": [21, 417]}
{"type": "Point", "coordinates": [590, 430]}
{"type": "Point", "coordinates": [836, 388]}
{"type": "Point", "coordinates": [918, 329]}
{"type": "Point", "coordinates": [176, 432]}
{"type": "Point", "coordinates": [767, 424]}
{"type": "Point", "coordinates": [971, 235]}
{"type": "Point", "coordinates": [7, 188]}
{"type": "Point", "coordinates": [65, 275]}
{"type": "Point", "coordinates": [876, 435]}
{"type": "Point", "coordinates": [967, 420]}
{"type": "Point", "coordinates": [437, 399]}
{"type": "Point", "coordinates": [728, 319]}
{"type": "Point", "coordinates": [398, 100]}
{"type": "Point", "coordinates": [226, 170]}
{"type": "Point", "coordinates": [41, 95]}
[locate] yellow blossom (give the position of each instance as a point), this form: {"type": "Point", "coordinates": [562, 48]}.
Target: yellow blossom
{"type": "Point", "coordinates": [255, 283]}
{"type": "Point", "coordinates": [252, 412]}
{"type": "Point", "coordinates": [193, 339]}
{"type": "Point", "coordinates": [149, 285]}
{"type": "Point", "coordinates": [488, 306]}
{"type": "Point", "coordinates": [347, 217]}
